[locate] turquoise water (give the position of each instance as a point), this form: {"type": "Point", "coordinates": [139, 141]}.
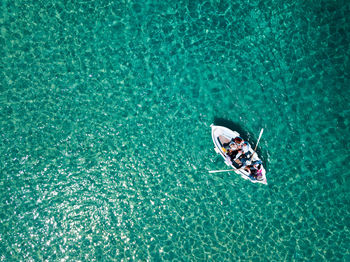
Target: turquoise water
{"type": "Point", "coordinates": [105, 120]}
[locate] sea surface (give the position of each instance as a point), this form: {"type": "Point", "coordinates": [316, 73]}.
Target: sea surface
{"type": "Point", "coordinates": [105, 141]}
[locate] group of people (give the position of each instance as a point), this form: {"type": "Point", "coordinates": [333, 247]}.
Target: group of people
{"type": "Point", "coordinates": [238, 150]}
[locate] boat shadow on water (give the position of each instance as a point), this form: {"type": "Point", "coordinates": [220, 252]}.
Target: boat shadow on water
{"type": "Point", "coordinates": [250, 136]}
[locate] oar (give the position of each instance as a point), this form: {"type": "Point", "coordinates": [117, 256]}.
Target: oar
{"type": "Point", "coordinates": [262, 130]}
{"type": "Point", "coordinates": [218, 171]}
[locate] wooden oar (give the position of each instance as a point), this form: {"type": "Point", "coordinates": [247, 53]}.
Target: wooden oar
{"type": "Point", "coordinates": [262, 130]}
{"type": "Point", "coordinates": [218, 171]}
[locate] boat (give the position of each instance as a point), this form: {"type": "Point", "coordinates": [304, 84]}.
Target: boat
{"type": "Point", "coordinates": [222, 136]}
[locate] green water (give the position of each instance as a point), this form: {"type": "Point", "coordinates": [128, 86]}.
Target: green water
{"type": "Point", "coordinates": [105, 137]}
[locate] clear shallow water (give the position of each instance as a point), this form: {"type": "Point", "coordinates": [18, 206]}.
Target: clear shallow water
{"type": "Point", "coordinates": [105, 138]}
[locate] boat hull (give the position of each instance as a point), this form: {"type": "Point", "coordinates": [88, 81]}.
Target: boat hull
{"type": "Point", "coordinates": [222, 135]}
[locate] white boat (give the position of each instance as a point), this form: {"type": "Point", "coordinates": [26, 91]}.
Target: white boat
{"type": "Point", "coordinates": [222, 135]}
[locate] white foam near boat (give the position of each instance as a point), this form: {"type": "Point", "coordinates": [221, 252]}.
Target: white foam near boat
{"type": "Point", "coordinates": [222, 135]}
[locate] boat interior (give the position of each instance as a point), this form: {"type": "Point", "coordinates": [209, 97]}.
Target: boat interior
{"type": "Point", "coordinates": [223, 140]}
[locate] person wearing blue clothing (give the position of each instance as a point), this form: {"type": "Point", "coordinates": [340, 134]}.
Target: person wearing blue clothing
{"type": "Point", "coordinates": [255, 170]}
{"type": "Point", "coordinates": [237, 151]}
{"type": "Point", "coordinates": [243, 153]}
{"type": "Point", "coordinates": [233, 147]}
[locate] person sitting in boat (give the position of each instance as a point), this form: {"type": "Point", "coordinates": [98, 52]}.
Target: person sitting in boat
{"type": "Point", "coordinates": [255, 170]}
{"type": "Point", "coordinates": [233, 147]}
{"type": "Point", "coordinates": [243, 153]}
